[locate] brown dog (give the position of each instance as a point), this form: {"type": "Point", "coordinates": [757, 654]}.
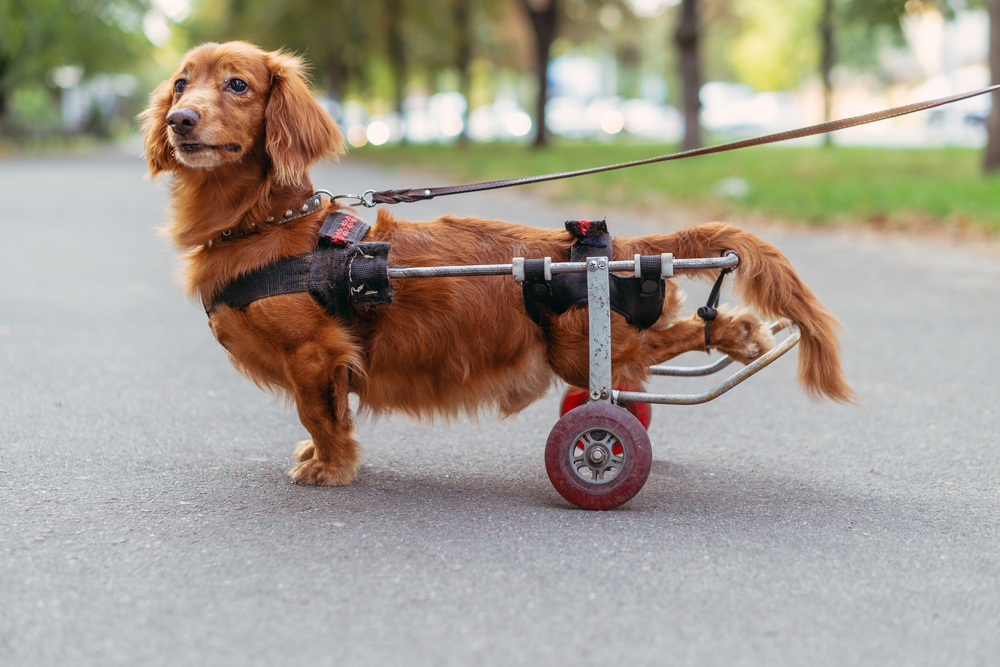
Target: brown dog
{"type": "Point", "coordinates": [239, 129]}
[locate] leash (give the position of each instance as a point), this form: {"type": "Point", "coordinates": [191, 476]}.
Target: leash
{"type": "Point", "coordinates": [371, 198]}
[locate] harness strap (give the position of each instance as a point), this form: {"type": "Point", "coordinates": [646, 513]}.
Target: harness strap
{"type": "Point", "coordinates": [710, 310]}
{"type": "Point", "coordinates": [638, 298]}
{"type": "Point", "coordinates": [284, 276]}
{"type": "Point", "coordinates": [342, 272]}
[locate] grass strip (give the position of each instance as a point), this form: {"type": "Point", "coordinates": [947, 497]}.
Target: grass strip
{"type": "Point", "coordinates": [813, 185]}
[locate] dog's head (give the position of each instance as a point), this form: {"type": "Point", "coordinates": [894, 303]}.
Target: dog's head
{"type": "Point", "coordinates": [224, 101]}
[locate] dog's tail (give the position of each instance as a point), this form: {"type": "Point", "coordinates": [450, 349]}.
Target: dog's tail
{"type": "Point", "coordinates": [766, 281]}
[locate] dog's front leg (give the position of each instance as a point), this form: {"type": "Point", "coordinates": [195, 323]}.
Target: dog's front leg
{"type": "Point", "coordinates": [332, 456]}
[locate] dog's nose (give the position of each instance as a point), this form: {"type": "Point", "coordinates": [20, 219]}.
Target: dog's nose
{"type": "Point", "coordinates": [183, 120]}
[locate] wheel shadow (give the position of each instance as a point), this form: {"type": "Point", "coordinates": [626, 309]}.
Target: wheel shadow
{"type": "Point", "coordinates": [674, 493]}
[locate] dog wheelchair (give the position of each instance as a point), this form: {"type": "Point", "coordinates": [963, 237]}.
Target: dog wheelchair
{"type": "Point", "coordinates": [598, 454]}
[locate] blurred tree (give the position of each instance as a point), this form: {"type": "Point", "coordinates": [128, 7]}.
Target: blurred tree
{"type": "Point", "coordinates": [38, 35]}
{"type": "Point", "coordinates": [864, 18]}
{"type": "Point", "coordinates": [777, 46]}
{"type": "Point", "coordinates": [547, 17]}
{"type": "Point", "coordinates": [828, 56]}
{"type": "Point", "coordinates": [483, 34]}
{"type": "Point", "coordinates": [544, 18]}
{"type": "Point", "coordinates": [378, 46]}
{"type": "Point", "coordinates": [340, 39]}
{"type": "Point", "coordinates": [783, 41]}
{"type": "Point", "coordinates": [891, 12]}
{"type": "Point", "coordinates": [462, 16]}
{"type": "Point", "coordinates": [991, 157]}
{"type": "Point", "coordinates": [364, 47]}
{"type": "Point", "coordinates": [394, 20]}
{"type": "Point", "coordinates": [859, 21]}
{"type": "Point", "coordinates": [606, 27]}
{"type": "Point", "coordinates": [687, 37]}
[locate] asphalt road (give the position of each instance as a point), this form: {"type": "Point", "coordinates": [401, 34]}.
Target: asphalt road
{"type": "Point", "coordinates": [147, 518]}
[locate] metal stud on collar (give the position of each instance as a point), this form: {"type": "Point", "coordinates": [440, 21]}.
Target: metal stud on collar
{"type": "Point", "coordinates": [311, 205]}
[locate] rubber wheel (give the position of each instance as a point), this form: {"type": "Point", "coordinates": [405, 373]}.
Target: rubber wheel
{"type": "Point", "coordinates": [598, 456]}
{"type": "Point", "coordinates": [575, 397]}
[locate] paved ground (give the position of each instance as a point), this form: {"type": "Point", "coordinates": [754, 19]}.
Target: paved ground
{"type": "Point", "coordinates": [147, 519]}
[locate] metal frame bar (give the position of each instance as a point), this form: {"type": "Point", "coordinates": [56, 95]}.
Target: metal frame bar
{"type": "Point", "coordinates": [700, 371]}
{"type": "Point", "coordinates": [599, 313]}
{"type": "Point", "coordinates": [691, 371]}
{"type": "Point", "coordinates": [717, 390]}
{"type": "Point", "coordinates": [624, 266]}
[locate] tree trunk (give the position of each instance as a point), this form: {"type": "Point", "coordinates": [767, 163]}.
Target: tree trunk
{"type": "Point", "coordinates": [686, 37]}
{"type": "Point", "coordinates": [397, 59]}
{"type": "Point", "coordinates": [828, 56]}
{"type": "Point", "coordinates": [3, 97]}
{"type": "Point", "coordinates": [336, 76]}
{"type": "Point", "coordinates": [544, 20]}
{"type": "Point", "coordinates": [463, 61]}
{"type": "Point", "coordinates": [991, 161]}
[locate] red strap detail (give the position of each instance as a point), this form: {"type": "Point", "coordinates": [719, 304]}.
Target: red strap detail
{"type": "Point", "coordinates": [587, 228]}
{"type": "Point", "coordinates": [343, 229]}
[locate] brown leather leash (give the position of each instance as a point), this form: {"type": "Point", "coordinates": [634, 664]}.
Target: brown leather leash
{"type": "Point", "coordinates": [372, 198]}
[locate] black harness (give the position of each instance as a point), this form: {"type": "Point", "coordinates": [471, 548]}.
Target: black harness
{"type": "Point", "coordinates": [343, 272]}
{"type": "Point", "coordinates": [638, 298]}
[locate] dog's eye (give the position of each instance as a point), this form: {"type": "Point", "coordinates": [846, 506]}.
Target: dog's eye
{"type": "Point", "coordinates": [180, 85]}
{"type": "Point", "coordinates": [237, 85]}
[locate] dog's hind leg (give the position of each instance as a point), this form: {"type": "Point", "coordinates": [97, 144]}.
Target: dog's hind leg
{"type": "Point", "coordinates": [332, 456]}
{"type": "Point", "coordinates": [765, 281]}
{"type": "Point", "coordinates": [735, 332]}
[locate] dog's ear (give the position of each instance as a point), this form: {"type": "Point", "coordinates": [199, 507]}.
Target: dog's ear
{"type": "Point", "coordinates": [159, 155]}
{"type": "Point", "coordinates": [299, 132]}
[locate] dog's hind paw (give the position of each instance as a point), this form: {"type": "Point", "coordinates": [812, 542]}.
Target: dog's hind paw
{"type": "Point", "coordinates": [743, 336]}
{"type": "Point", "coordinates": [304, 451]}
{"type": "Point", "coordinates": [323, 473]}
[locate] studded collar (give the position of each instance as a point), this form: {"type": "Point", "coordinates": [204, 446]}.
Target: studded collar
{"type": "Point", "coordinates": [310, 206]}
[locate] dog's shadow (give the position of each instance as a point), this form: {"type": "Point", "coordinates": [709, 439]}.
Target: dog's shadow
{"type": "Point", "coordinates": [693, 493]}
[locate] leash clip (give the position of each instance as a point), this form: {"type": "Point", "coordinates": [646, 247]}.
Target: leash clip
{"type": "Point", "coordinates": [367, 199]}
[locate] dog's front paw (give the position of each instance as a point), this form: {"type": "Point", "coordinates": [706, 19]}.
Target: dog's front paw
{"type": "Point", "coordinates": [305, 450]}
{"type": "Point", "coordinates": [323, 473]}
{"type": "Point", "coordinates": [743, 336]}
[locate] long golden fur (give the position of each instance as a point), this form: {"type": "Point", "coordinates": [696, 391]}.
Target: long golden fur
{"type": "Point", "coordinates": [239, 129]}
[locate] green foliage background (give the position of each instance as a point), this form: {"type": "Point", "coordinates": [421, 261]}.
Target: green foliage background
{"type": "Point", "coordinates": [38, 35]}
{"type": "Point", "coordinates": [768, 44]}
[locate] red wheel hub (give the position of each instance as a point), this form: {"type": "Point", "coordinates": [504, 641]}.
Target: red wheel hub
{"type": "Point", "coordinates": [575, 397]}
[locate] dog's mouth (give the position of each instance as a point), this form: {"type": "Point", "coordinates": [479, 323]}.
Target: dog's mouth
{"type": "Point", "coordinates": [193, 148]}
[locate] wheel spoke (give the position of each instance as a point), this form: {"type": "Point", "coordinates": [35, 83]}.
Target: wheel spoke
{"type": "Point", "coordinates": [603, 469]}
